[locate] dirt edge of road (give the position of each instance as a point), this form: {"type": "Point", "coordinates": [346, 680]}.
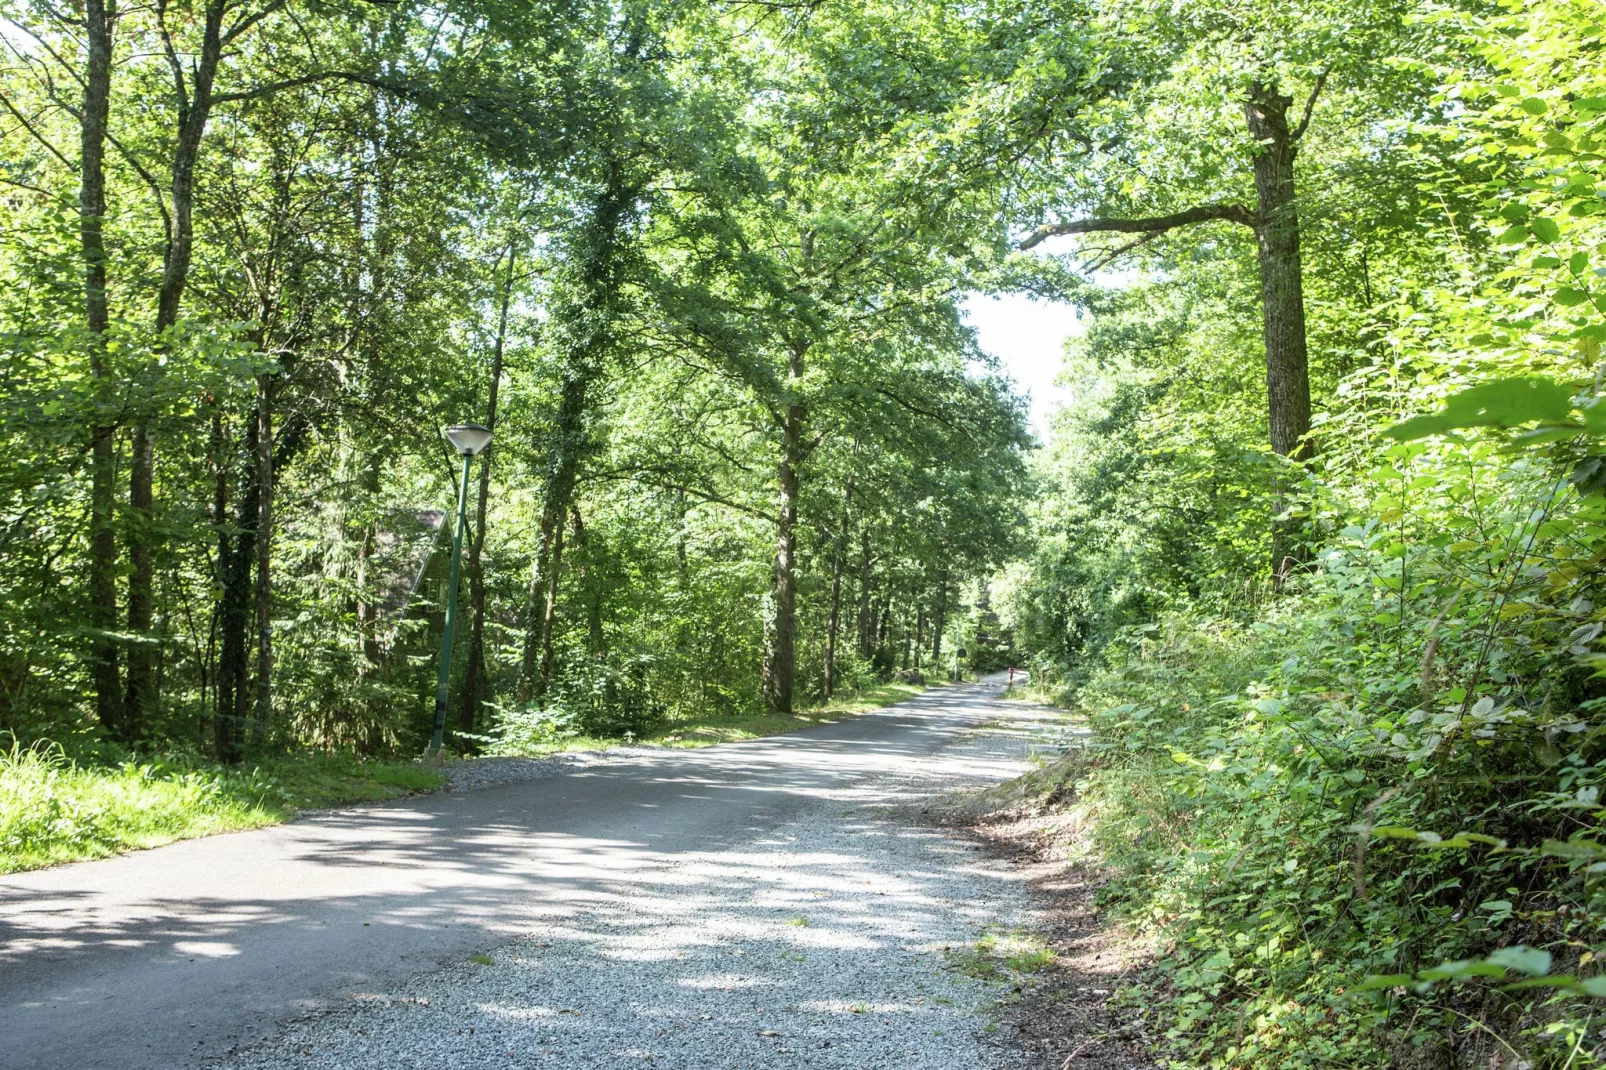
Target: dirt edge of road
{"type": "Point", "coordinates": [1067, 1017]}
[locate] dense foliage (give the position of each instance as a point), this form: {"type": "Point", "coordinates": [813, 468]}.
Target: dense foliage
{"type": "Point", "coordinates": [1355, 800]}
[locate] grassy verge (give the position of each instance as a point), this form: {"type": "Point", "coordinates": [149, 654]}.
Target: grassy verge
{"type": "Point", "coordinates": [54, 810]}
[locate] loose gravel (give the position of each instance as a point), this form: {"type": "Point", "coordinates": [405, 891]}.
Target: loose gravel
{"type": "Point", "coordinates": [474, 773]}
{"type": "Point", "coordinates": [478, 773]}
{"type": "Point", "coordinates": [847, 938]}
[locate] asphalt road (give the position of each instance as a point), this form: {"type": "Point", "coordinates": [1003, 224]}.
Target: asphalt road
{"type": "Point", "coordinates": [168, 958]}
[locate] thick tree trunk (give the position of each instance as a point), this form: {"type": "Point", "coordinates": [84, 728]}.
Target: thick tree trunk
{"type": "Point", "coordinates": [98, 16]}
{"type": "Point", "coordinates": [937, 625]}
{"type": "Point", "coordinates": [1282, 299]}
{"type": "Point", "coordinates": [1275, 221]}
{"type": "Point", "coordinates": [474, 672]}
{"type": "Point", "coordinates": [193, 113]}
{"type": "Point", "coordinates": [1281, 275]}
{"type": "Point", "coordinates": [838, 563]}
{"type": "Point", "coordinates": [780, 654]}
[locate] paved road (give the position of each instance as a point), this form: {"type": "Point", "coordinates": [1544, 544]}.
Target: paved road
{"type": "Point", "coordinates": [168, 958]}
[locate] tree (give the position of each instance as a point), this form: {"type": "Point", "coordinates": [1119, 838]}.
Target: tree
{"type": "Point", "coordinates": [1164, 142]}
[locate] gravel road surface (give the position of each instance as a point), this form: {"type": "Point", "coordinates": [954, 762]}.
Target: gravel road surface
{"type": "Point", "coordinates": [773, 903]}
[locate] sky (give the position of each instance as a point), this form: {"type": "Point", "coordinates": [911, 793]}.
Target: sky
{"type": "Point", "coordinates": [1027, 337]}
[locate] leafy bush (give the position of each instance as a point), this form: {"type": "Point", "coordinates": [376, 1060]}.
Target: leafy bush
{"type": "Point", "coordinates": [1393, 774]}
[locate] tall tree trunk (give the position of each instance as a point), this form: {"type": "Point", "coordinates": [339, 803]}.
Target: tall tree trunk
{"type": "Point", "coordinates": [862, 622]}
{"type": "Point", "coordinates": [597, 643]}
{"type": "Point", "coordinates": [883, 629]}
{"type": "Point", "coordinates": [367, 613]}
{"type": "Point", "coordinates": [838, 563]}
{"type": "Point", "coordinates": [549, 609]}
{"type": "Point", "coordinates": [535, 670]}
{"type": "Point", "coordinates": [239, 602]}
{"type": "Point", "coordinates": [586, 323]}
{"type": "Point", "coordinates": [193, 113]}
{"type": "Point", "coordinates": [920, 632]}
{"type": "Point", "coordinates": [780, 653]}
{"type": "Point", "coordinates": [222, 725]}
{"type": "Point", "coordinates": [98, 17]}
{"type": "Point", "coordinates": [1282, 290]}
{"type": "Point", "coordinates": [1282, 296]}
{"type": "Point", "coordinates": [262, 716]}
{"type": "Point", "coordinates": [474, 672]}
{"type": "Point", "coordinates": [938, 624]}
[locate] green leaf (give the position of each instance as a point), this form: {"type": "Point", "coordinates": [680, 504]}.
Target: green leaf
{"type": "Point", "coordinates": [1385, 980]}
{"type": "Point", "coordinates": [1528, 960]}
{"type": "Point", "coordinates": [1573, 849]}
{"type": "Point", "coordinates": [1571, 297]}
{"type": "Point", "coordinates": [1552, 980]}
{"type": "Point", "coordinates": [1500, 403]}
{"type": "Point", "coordinates": [1453, 971]}
{"type": "Point", "coordinates": [1535, 106]}
{"type": "Point", "coordinates": [1546, 230]}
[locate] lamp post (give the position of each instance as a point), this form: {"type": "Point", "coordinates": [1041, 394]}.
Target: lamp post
{"type": "Point", "coordinates": [467, 439]}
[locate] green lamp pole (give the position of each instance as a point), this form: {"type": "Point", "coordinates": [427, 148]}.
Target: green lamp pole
{"type": "Point", "coordinates": [468, 440]}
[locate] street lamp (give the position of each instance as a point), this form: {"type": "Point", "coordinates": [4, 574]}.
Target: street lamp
{"type": "Point", "coordinates": [467, 439]}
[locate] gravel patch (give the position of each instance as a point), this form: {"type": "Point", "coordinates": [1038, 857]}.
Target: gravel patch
{"type": "Point", "coordinates": [471, 774]}
{"type": "Point", "coordinates": [477, 773]}
{"type": "Point", "coordinates": [846, 938]}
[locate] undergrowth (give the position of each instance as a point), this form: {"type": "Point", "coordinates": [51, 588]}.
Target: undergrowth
{"type": "Point", "coordinates": [1333, 873]}
{"type": "Point", "coordinates": [559, 728]}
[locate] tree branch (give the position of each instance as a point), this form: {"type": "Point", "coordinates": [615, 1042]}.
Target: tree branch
{"type": "Point", "coordinates": [267, 89]}
{"type": "Point", "coordinates": [37, 136]}
{"type": "Point", "coordinates": [1310, 104]}
{"type": "Point", "coordinates": [1204, 213]}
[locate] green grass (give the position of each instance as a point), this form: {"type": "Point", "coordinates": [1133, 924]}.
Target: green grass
{"type": "Point", "coordinates": [55, 810]}
{"type": "Point", "coordinates": [1001, 953]}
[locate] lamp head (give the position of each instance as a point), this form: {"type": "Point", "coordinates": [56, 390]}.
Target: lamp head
{"type": "Point", "coordinates": [469, 439]}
